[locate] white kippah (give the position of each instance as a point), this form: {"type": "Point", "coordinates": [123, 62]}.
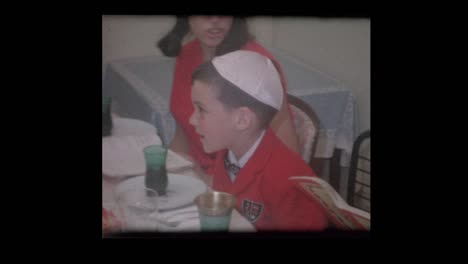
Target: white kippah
{"type": "Point", "coordinates": [253, 73]}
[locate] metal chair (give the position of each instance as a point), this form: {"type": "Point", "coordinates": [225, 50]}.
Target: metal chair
{"type": "Point", "coordinates": [360, 173]}
{"type": "Point", "coordinates": [307, 126]}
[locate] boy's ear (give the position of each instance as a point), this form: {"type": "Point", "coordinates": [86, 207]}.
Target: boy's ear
{"type": "Point", "coordinates": [244, 118]}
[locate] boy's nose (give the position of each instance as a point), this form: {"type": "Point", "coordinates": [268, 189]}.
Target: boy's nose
{"type": "Point", "coordinates": [192, 119]}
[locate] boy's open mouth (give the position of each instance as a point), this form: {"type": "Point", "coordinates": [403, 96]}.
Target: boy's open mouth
{"type": "Point", "coordinates": [200, 135]}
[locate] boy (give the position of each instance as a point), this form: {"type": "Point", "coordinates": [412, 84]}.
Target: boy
{"type": "Point", "coordinates": [235, 96]}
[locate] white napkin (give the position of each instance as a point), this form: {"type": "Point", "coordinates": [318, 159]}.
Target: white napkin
{"type": "Point", "coordinates": [177, 213]}
{"type": "Point", "coordinates": [123, 155]}
{"type": "Point", "coordinates": [175, 163]}
{"type": "Point", "coordinates": [192, 225]}
{"type": "Point", "coordinates": [188, 217]}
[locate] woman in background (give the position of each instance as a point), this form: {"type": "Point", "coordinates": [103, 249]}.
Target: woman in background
{"type": "Point", "coordinates": [213, 36]}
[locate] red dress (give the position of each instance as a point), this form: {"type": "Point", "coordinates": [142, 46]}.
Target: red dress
{"type": "Point", "coordinates": [264, 194]}
{"type": "Point", "coordinates": [180, 103]}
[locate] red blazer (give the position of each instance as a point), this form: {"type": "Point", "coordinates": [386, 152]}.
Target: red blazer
{"type": "Point", "coordinates": [264, 194]}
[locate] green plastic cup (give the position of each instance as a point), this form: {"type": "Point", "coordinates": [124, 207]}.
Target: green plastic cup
{"type": "Point", "coordinates": [156, 174]}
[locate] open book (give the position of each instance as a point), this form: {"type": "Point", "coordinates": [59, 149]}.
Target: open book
{"type": "Point", "coordinates": [338, 211]}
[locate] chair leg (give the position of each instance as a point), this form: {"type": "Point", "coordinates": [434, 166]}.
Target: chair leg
{"type": "Point", "coordinates": [335, 170]}
{"type": "Point", "coordinates": [317, 165]}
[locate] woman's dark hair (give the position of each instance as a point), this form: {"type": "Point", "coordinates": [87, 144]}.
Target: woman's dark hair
{"type": "Point", "coordinates": [171, 44]}
{"type": "Point", "coordinates": [238, 35]}
{"type": "Point", "coordinates": [231, 96]}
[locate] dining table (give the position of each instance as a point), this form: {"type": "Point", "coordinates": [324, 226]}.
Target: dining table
{"type": "Point", "coordinates": [185, 183]}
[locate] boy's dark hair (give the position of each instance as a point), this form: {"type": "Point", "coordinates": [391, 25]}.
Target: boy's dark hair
{"type": "Point", "coordinates": [238, 35]}
{"type": "Point", "coordinates": [231, 96]}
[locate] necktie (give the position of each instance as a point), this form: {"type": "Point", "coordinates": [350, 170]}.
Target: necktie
{"type": "Point", "coordinates": [230, 168]}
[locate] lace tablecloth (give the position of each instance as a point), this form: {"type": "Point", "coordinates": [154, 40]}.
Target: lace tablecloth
{"type": "Point", "coordinates": [336, 110]}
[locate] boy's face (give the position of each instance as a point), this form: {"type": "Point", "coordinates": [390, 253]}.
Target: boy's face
{"type": "Point", "coordinates": [211, 120]}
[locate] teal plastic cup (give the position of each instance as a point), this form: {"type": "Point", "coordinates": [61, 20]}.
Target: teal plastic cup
{"type": "Point", "coordinates": [215, 209]}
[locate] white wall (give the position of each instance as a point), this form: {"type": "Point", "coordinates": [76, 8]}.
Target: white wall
{"type": "Point", "coordinates": [338, 47]}
{"type": "Point", "coordinates": [130, 36]}
{"type": "Point", "coordinates": [262, 29]}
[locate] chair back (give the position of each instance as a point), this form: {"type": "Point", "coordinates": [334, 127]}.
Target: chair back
{"type": "Point", "coordinates": [307, 127]}
{"type": "Point", "coordinates": [360, 173]}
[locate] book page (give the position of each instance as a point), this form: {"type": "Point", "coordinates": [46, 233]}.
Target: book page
{"type": "Point", "coordinates": [339, 212]}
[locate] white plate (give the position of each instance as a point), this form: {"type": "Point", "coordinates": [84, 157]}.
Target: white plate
{"type": "Point", "coordinates": [181, 190]}
{"type": "Point", "coordinates": [131, 127]}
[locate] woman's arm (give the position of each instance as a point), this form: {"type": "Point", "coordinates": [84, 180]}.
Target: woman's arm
{"type": "Point", "coordinates": [179, 142]}
{"type": "Point", "coordinates": [283, 127]}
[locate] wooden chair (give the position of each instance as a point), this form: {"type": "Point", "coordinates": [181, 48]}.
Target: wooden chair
{"type": "Point", "coordinates": [307, 127]}
{"type": "Point", "coordinates": [360, 173]}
